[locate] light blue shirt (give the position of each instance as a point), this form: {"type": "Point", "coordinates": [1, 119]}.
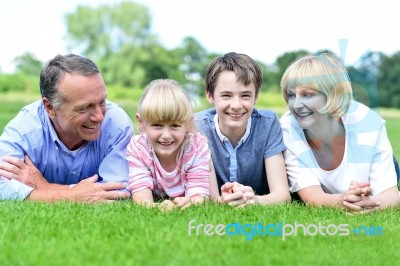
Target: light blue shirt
{"type": "Point", "coordinates": [31, 132]}
{"type": "Point", "coordinates": [233, 165]}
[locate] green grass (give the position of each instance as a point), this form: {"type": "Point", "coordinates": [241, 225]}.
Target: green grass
{"type": "Point", "coordinates": [124, 234]}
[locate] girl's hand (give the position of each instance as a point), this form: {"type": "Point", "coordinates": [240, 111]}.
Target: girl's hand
{"type": "Point", "coordinates": [185, 202]}
{"type": "Point", "coordinates": [166, 205]}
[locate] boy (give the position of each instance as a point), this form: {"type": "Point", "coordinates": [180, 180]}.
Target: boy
{"type": "Point", "coordinates": [246, 144]}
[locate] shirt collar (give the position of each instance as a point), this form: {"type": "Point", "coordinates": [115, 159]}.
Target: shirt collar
{"type": "Point", "coordinates": [224, 138]}
{"type": "Point", "coordinates": [46, 118]}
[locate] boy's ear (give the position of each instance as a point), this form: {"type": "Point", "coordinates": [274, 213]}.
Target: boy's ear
{"type": "Point", "coordinates": [209, 98]}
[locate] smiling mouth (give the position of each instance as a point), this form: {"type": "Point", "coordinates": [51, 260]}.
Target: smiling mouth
{"type": "Point", "coordinates": [305, 114]}
{"type": "Point", "coordinates": [165, 143]}
{"type": "Point", "coordinates": [92, 127]}
{"type": "Point", "coordinates": [236, 115]}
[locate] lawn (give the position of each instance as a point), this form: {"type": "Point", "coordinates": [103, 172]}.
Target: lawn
{"type": "Point", "coordinates": [124, 234]}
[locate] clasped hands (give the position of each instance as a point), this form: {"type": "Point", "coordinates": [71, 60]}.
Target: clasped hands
{"type": "Point", "coordinates": [237, 195]}
{"type": "Point", "coordinates": [358, 198]}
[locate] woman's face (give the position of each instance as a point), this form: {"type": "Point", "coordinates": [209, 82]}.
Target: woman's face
{"type": "Point", "coordinates": [304, 104]}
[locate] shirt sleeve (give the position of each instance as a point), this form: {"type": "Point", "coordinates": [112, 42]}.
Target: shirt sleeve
{"type": "Point", "coordinates": [114, 165]}
{"type": "Point", "coordinates": [382, 173]}
{"type": "Point", "coordinates": [13, 190]}
{"type": "Point", "coordinates": [275, 144]}
{"type": "Point", "coordinates": [139, 161]}
{"type": "Point", "coordinates": [197, 160]}
{"type": "Point", "coordinates": [13, 144]}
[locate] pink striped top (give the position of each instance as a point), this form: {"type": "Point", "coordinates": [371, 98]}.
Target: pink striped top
{"type": "Point", "coordinates": [190, 177]}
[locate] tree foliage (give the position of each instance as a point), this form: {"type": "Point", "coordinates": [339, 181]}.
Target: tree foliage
{"type": "Point", "coordinates": [119, 39]}
{"type": "Point", "coordinates": [364, 79]}
{"type": "Point", "coordinates": [389, 80]}
{"type": "Point", "coordinates": [28, 64]}
{"type": "Point", "coordinates": [283, 61]}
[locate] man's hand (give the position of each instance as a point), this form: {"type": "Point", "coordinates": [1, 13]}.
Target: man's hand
{"type": "Point", "coordinates": [23, 171]}
{"type": "Point", "coordinates": [89, 191]}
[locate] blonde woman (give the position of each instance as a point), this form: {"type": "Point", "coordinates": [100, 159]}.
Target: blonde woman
{"type": "Point", "coordinates": [338, 152]}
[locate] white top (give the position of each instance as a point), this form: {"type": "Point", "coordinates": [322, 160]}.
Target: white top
{"type": "Point", "coordinates": [368, 154]}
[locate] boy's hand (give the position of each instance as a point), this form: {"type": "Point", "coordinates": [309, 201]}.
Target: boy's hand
{"type": "Point", "coordinates": [236, 194]}
{"type": "Point", "coordinates": [248, 194]}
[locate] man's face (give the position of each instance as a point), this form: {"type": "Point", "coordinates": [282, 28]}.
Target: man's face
{"type": "Point", "coordinates": [79, 117]}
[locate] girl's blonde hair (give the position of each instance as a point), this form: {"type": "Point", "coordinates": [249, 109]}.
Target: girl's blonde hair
{"type": "Point", "coordinates": [324, 73]}
{"type": "Point", "coordinates": [164, 100]}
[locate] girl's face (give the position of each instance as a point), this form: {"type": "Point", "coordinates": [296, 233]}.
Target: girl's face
{"type": "Point", "coordinates": [233, 101]}
{"type": "Point", "coordinates": [304, 104]}
{"type": "Point", "coordinates": [165, 137]}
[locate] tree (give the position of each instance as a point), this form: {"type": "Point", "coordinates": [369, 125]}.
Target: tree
{"type": "Point", "coordinates": [283, 61]}
{"type": "Point", "coordinates": [389, 80]}
{"type": "Point", "coordinates": [28, 64]}
{"type": "Point", "coordinates": [364, 79]}
{"type": "Point", "coordinates": [116, 37]}
{"type": "Point", "coordinates": [271, 80]}
{"type": "Point", "coordinates": [98, 32]}
{"type": "Point", "coordinates": [193, 59]}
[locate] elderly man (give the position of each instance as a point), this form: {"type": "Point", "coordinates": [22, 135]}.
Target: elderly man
{"type": "Point", "coordinates": [71, 144]}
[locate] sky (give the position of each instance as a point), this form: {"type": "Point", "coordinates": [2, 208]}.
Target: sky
{"type": "Point", "coordinates": [263, 29]}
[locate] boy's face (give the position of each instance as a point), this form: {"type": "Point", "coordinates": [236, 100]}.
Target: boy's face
{"type": "Point", "coordinates": [234, 103]}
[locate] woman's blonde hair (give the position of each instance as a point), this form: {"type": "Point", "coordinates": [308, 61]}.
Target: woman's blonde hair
{"type": "Point", "coordinates": [324, 73]}
{"type": "Point", "coordinates": [164, 100]}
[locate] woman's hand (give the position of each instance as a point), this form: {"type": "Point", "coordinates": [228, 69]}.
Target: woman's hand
{"type": "Point", "coordinates": [358, 198]}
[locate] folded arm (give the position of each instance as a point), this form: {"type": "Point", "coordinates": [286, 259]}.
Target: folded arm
{"type": "Point", "coordinates": [28, 179]}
